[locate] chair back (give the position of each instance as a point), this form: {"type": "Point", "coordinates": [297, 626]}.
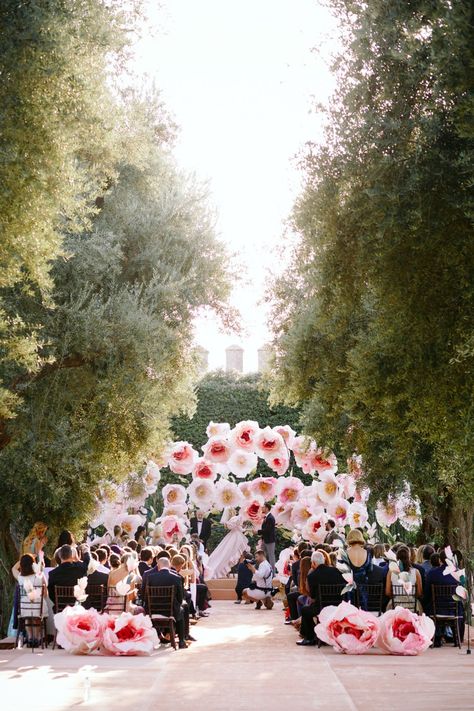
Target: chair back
{"type": "Point", "coordinates": [401, 598]}
{"type": "Point", "coordinates": [329, 595]}
{"type": "Point", "coordinates": [95, 597]}
{"type": "Point", "coordinates": [32, 608]}
{"type": "Point", "coordinates": [443, 603]}
{"type": "Point", "coordinates": [159, 600]}
{"type": "Point", "coordinates": [370, 597]}
{"type": "Point", "coordinates": [63, 596]}
{"type": "Point", "coordinates": [116, 604]}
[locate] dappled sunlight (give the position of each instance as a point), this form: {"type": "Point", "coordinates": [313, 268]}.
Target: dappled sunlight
{"type": "Point", "coordinates": [209, 637]}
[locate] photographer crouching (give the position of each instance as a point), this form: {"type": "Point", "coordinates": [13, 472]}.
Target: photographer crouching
{"type": "Point", "coordinates": [260, 589]}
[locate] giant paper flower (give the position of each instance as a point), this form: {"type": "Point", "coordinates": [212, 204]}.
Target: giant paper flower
{"type": "Point", "coordinates": [288, 489]}
{"type": "Point", "coordinates": [303, 509]}
{"type": "Point", "coordinates": [204, 470]}
{"type": "Point", "coordinates": [354, 466]}
{"type": "Point", "coordinates": [173, 494]}
{"type": "Point", "coordinates": [244, 435]}
{"type": "Point", "coordinates": [328, 487]}
{"type": "Point", "coordinates": [172, 526]}
{"type": "Point", "coordinates": [282, 514]}
{"type": "Point", "coordinates": [151, 477]}
{"type": "Point", "coordinates": [227, 494]}
{"type": "Point", "coordinates": [217, 449]}
{"type": "Point", "coordinates": [302, 450]}
{"type": "Point", "coordinates": [358, 515]}
{"type": "Point", "coordinates": [241, 463]}
{"type": "Point", "coordinates": [278, 463]}
{"type": "Point", "coordinates": [314, 529]}
{"type": "Point", "coordinates": [409, 514]}
{"type": "Point", "coordinates": [264, 486]}
{"type": "Point", "coordinates": [201, 492]}
{"type": "Point", "coordinates": [287, 433]}
{"type": "Point", "coordinates": [269, 442]}
{"type": "Point", "coordinates": [323, 462]}
{"type": "Point", "coordinates": [79, 630]}
{"type": "Point", "coordinates": [181, 457]}
{"type": "Point", "coordinates": [245, 488]}
{"type": "Point", "coordinates": [347, 485]}
{"type": "Point", "coordinates": [217, 429]}
{"type": "Point", "coordinates": [175, 510]}
{"type": "Point", "coordinates": [338, 509]}
{"type": "Point", "coordinates": [386, 513]}
{"type": "Point", "coordinates": [405, 633]}
{"type": "Point", "coordinates": [130, 523]}
{"type": "Point", "coordinates": [129, 635]}
{"type": "Point", "coordinates": [347, 629]}
{"type": "Point", "coordinates": [252, 511]}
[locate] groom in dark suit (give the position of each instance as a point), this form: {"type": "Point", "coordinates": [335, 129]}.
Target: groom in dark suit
{"type": "Point", "coordinates": [201, 526]}
{"type": "Point", "coordinates": [267, 532]}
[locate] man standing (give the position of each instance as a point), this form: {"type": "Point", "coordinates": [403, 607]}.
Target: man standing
{"type": "Point", "coordinates": [332, 535]}
{"type": "Point", "coordinates": [201, 526]}
{"type": "Point", "coordinates": [268, 535]}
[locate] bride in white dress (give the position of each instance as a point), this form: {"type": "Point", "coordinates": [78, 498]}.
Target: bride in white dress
{"type": "Point", "coordinates": [229, 550]}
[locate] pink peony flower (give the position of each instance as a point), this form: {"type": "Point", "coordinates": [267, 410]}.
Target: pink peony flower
{"type": "Point", "coordinates": [253, 511]}
{"type": "Point", "coordinates": [347, 629]}
{"type": "Point", "coordinates": [269, 442]}
{"type": "Point", "coordinates": [217, 450]}
{"type": "Point", "coordinates": [244, 435]}
{"type": "Point", "coordinates": [242, 462]}
{"type": "Point", "coordinates": [129, 635]}
{"type": "Point", "coordinates": [79, 630]}
{"type": "Point", "coordinates": [405, 633]}
{"type": "Point", "coordinates": [264, 487]}
{"type": "Point", "coordinates": [204, 470]}
{"type": "Point", "coordinates": [278, 463]}
{"type": "Point", "coordinates": [181, 457]}
{"type": "Point", "coordinates": [172, 526]}
{"type": "Point", "coordinates": [328, 487]}
{"type": "Point", "coordinates": [288, 489]}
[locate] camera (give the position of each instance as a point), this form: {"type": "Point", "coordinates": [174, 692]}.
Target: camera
{"type": "Point", "coordinates": [250, 561]}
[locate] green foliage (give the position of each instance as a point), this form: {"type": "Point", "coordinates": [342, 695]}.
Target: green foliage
{"type": "Point", "coordinates": [57, 144]}
{"type": "Point", "coordinates": [373, 323]}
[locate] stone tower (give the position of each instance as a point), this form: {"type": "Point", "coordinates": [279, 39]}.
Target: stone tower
{"type": "Point", "coordinates": [234, 359]}
{"type": "Point", "coordinates": [264, 354]}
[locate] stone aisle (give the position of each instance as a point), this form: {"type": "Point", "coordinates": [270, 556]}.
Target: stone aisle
{"type": "Point", "coordinates": [243, 659]}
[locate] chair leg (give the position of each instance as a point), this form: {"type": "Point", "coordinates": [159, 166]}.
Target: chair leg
{"type": "Point", "coordinates": [457, 633]}
{"type": "Point", "coordinates": [172, 634]}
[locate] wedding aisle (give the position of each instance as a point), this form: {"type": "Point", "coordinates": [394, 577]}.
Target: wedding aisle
{"type": "Point", "coordinates": [243, 659]}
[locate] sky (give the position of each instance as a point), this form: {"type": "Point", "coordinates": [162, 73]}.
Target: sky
{"type": "Point", "coordinates": [240, 79]}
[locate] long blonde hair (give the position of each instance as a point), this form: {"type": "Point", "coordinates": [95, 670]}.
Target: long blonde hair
{"type": "Point", "coordinates": [36, 533]}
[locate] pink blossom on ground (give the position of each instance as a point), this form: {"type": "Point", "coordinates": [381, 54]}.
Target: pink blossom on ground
{"type": "Point", "coordinates": [405, 633]}
{"type": "Point", "coordinates": [347, 629]}
{"type": "Point", "coordinates": [79, 630]}
{"type": "Point", "coordinates": [129, 635]}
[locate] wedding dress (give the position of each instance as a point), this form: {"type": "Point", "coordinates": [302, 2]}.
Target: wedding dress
{"type": "Point", "coordinates": [229, 550]}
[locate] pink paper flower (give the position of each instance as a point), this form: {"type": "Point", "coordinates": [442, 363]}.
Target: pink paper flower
{"type": "Point", "coordinates": [347, 485]}
{"type": "Point", "coordinates": [215, 429]}
{"type": "Point", "coordinates": [244, 435]}
{"type": "Point", "coordinates": [314, 529]}
{"type": "Point", "coordinates": [269, 442]}
{"type": "Point", "coordinates": [278, 463]}
{"type": "Point", "coordinates": [323, 462]}
{"type": "Point", "coordinates": [288, 489]}
{"type": "Point", "coordinates": [173, 494]}
{"type": "Point", "coordinates": [303, 509]}
{"type": "Point", "coordinates": [79, 630]}
{"type": "Point", "coordinates": [253, 511]}
{"type": "Point", "coordinates": [264, 487]}
{"type": "Point", "coordinates": [354, 466]}
{"type": "Point", "coordinates": [302, 450]}
{"type": "Point", "coordinates": [357, 515]}
{"type": "Point", "coordinates": [338, 510]}
{"type": "Point", "coordinates": [245, 488]}
{"type": "Point", "coordinates": [129, 635]}
{"type": "Point", "coordinates": [227, 494]}
{"type": "Point", "coordinates": [181, 458]}
{"type": "Point", "coordinates": [204, 470]}
{"type": "Point", "coordinates": [217, 450]}
{"type": "Point", "coordinates": [386, 513]}
{"type": "Point", "coordinates": [172, 526]}
{"type": "Point", "coordinates": [287, 433]}
{"type": "Point", "coordinates": [282, 514]}
{"type": "Point", "coordinates": [328, 487]}
{"type": "Point", "coordinates": [242, 462]}
{"type": "Point", "coordinates": [405, 633]}
{"type": "Point", "coordinates": [202, 492]}
{"type": "Point", "coordinates": [347, 629]}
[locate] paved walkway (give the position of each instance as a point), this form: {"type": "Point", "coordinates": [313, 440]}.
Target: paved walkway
{"type": "Point", "coordinates": [243, 659]}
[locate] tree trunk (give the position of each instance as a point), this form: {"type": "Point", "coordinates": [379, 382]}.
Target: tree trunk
{"type": "Point", "coordinates": [457, 522]}
{"type": "Point", "coordinates": [8, 557]}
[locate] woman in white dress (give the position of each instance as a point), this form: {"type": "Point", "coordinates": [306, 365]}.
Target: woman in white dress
{"type": "Point", "coordinates": [404, 586]}
{"type": "Point", "coordinates": [229, 550]}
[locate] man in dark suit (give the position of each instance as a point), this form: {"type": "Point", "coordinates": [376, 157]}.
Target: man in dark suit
{"type": "Point", "coordinates": [146, 560]}
{"type": "Point", "coordinates": [320, 574]}
{"type": "Point", "coordinates": [267, 532]}
{"type": "Point", "coordinates": [98, 577]}
{"type": "Point", "coordinates": [201, 526]}
{"type": "Point", "coordinates": [68, 571]}
{"type": "Point", "coordinates": [162, 576]}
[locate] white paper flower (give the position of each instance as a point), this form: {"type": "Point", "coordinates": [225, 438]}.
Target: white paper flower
{"type": "Point", "coordinates": [347, 485]}
{"type": "Point", "coordinates": [245, 488]}
{"type": "Point", "coordinates": [282, 514]}
{"type": "Point", "coordinates": [264, 487]}
{"type": "Point", "coordinates": [288, 488]}
{"type": "Point", "coordinates": [151, 477]}
{"type": "Point", "coordinates": [80, 589]}
{"type": "Point", "coordinates": [130, 523]}
{"type": "Point", "coordinates": [338, 509]}
{"type": "Point", "coordinates": [216, 429]}
{"type": "Point", "coordinates": [241, 463]}
{"type": "Point", "coordinates": [386, 513]}
{"type": "Point", "coordinates": [327, 487]}
{"type": "Point", "coordinates": [357, 515]}
{"type": "Point", "coordinates": [303, 509]}
{"type": "Point", "coordinates": [287, 433]}
{"type": "Point", "coordinates": [173, 494]}
{"type": "Point", "coordinates": [122, 587]}
{"type": "Point", "coordinates": [201, 492]}
{"type": "Point", "coordinates": [175, 510]}
{"type": "Point", "coordinates": [227, 494]}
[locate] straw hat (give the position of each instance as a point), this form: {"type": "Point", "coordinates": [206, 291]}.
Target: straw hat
{"type": "Point", "coordinates": [355, 536]}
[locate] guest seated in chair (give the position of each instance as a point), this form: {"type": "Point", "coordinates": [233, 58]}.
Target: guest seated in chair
{"type": "Point", "coordinates": [321, 574]}
{"type": "Point", "coordinates": [162, 576]}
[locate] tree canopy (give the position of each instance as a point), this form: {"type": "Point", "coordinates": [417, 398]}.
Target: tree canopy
{"type": "Point", "coordinates": [373, 323]}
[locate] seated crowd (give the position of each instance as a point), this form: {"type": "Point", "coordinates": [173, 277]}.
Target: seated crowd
{"type": "Point", "coordinates": [125, 575]}
{"type": "Point", "coordinates": [314, 581]}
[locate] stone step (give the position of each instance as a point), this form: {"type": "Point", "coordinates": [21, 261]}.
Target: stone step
{"type": "Point", "coordinates": [223, 594]}
{"type": "Point", "coordinates": [221, 583]}
{"type": "Point", "coordinates": [7, 643]}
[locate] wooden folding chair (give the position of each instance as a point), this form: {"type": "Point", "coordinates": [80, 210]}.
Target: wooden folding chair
{"type": "Point", "coordinates": [33, 618]}
{"type": "Point", "coordinates": [160, 608]}
{"type": "Point", "coordinates": [370, 597]}
{"type": "Point", "coordinates": [329, 595]}
{"type": "Point", "coordinates": [401, 598]}
{"type": "Point", "coordinates": [115, 604]}
{"type": "Point", "coordinates": [96, 597]}
{"type": "Point", "coordinates": [63, 597]}
{"type": "Point", "coordinates": [446, 610]}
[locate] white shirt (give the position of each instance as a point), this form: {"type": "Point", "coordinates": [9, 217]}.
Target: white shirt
{"type": "Point", "coordinates": [263, 576]}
